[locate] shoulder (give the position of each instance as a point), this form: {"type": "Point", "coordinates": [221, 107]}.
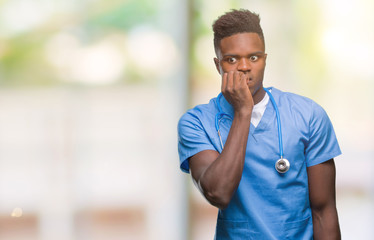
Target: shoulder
{"type": "Point", "coordinates": [195, 129]}
{"type": "Point", "coordinates": [199, 114]}
{"type": "Point", "coordinates": [298, 104]}
{"type": "Point", "coordinates": [293, 98]}
{"type": "Point", "coordinates": [302, 112]}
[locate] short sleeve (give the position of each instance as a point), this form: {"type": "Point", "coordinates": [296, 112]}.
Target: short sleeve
{"type": "Point", "coordinates": [322, 144]}
{"type": "Point", "coordinates": [192, 139]}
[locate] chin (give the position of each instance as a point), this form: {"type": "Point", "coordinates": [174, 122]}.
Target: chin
{"type": "Point", "coordinates": [255, 90]}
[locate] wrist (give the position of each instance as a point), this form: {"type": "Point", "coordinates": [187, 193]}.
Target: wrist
{"type": "Point", "coordinates": [245, 113]}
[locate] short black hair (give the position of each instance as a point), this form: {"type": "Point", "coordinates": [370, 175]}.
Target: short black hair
{"type": "Point", "coordinates": [236, 21]}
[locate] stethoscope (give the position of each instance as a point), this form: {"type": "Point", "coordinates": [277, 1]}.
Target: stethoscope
{"type": "Point", "coordinates": [282, 165]}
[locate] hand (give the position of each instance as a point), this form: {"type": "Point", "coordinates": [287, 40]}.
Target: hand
{"type": "Point", "coordinates": [235, 89]}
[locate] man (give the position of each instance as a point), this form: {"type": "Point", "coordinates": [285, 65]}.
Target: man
{"type": "Point", "coordinates": [231, 146]}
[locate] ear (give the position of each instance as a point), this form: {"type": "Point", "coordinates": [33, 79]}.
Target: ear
{"type": "Point", "coordinates": [216, 62]}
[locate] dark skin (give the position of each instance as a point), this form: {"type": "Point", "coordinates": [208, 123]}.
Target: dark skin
{"type": "Point", "coordinates": [321, 179]}
{"type": "Point", "coordinates": [241, 62]}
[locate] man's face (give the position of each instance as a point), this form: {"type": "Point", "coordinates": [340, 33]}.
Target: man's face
{"type": "Point", "coordinates": [243, 52]}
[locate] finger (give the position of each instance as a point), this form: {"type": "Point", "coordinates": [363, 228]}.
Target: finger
{"type": "Point", "coordinates": [230, 81]}
{"type": "Point", "coordinates": [244, 80]}
{"type": "Point", "coordinates": [236, 80]}
{"type": "Point", "coordinates": [224, 82]}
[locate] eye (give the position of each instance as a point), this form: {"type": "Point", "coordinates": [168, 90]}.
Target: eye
{"type": "Point", "coordinates": [231, 60]}
{"type": "Point", "coordinates": [253, 58]}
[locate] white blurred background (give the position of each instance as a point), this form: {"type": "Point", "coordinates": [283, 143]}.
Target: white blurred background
{"type": "Point", "coordinates": [91, 92]}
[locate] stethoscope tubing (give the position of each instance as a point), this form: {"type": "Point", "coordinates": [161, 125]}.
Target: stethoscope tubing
{"type": "Point", "coordinates": [278, 122]}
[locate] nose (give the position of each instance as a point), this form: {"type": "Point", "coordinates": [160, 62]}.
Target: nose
{"type": "Point", "coordinates": [244, 65]}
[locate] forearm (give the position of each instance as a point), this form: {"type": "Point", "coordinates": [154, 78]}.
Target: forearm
{"type": "Point", "coordinates": [221, 179]}
{"type": "Point", "coordinates": [326, 224]}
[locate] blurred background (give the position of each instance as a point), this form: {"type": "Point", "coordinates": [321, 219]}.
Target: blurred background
{"type": "Point", "coordinates": [91, 92]}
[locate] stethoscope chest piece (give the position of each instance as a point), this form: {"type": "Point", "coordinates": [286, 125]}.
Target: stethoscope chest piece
{"type": "Point", "coordinates": [282, 165]}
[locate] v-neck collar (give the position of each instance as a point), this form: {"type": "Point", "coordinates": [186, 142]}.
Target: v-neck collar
{"type": "Point", "coordinates": [269, 114]}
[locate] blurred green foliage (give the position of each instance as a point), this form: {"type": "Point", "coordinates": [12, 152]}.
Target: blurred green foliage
{"type": "Point", "coordinates": [22, 55]}
{"type": "Point", "coordinates": [124, 16]}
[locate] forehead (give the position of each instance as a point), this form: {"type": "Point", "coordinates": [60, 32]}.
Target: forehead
{"type": "Point", "coordinates": [241, 44]}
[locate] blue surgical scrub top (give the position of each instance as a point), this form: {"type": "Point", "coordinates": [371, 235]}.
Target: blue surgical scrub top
{"type": "Point", "coordinates": [267, 204]}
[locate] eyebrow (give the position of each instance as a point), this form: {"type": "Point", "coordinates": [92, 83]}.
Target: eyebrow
{"type": "Point", "coordinates": [236, 55]}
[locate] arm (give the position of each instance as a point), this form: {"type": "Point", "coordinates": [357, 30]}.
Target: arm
{"type": "Point", "coordinates": [321, 180]}
{"type": "Point", "coordinates": [218, 175]}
